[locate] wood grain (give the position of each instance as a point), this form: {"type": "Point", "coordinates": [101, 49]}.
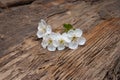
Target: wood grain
{"type": "Point", "coordinates": [29, 61]}
{"type": "Point", "coordinates": [23, 58]}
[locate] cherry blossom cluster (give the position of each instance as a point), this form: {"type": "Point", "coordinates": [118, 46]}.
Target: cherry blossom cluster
{"type": "Point", "coordinates": [57, 41]}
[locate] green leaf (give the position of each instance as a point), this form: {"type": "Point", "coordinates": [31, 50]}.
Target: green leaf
{"type": "Point", "coordinates": [67, 27]}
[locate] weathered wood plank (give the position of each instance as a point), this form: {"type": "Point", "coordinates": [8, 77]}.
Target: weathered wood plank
{"type": "Point", "coordinates": [80, 13]}
{"type": "Point", "coordinates": [14, 3]}
{"type": "Point", "coordinates": [25, 59]}
{"type": "Point", "coordinates": [91, 61]}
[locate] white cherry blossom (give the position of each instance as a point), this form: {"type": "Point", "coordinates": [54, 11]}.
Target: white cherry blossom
{"type": "Point", "coordinates": [49, 42]}
{"type": "Point", "coordinates": [76, 38]}
{"type": "Point", "coordinates": [62, 40]}
{"type": "Point", "coordinates": [43, 29]}
{"type": "Point", "coordinates": [52, 41]}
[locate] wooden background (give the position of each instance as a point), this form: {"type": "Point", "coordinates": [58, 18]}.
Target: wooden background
{"type": "Point", "coordinates": [23, 58]}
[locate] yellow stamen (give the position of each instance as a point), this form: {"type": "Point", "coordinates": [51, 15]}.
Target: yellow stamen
{"type": "Point", "coordinates": [50, 41]}
{"type": "Point", "coordinates": [43, 30]}
{"type": "Point", "coordinates": [61, 41]}
{"type": "Point", "coordinates": [74, 38]}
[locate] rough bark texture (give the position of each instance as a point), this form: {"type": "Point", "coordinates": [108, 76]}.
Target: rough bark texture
{"type": "Point", "coordinates": [23, 58]}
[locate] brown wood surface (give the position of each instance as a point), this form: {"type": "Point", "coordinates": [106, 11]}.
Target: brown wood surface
{"type": "Point", "coordinates": [23, 58]}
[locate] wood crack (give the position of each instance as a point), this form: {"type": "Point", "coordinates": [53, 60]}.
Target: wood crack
{"type": "Point", "coordinates": [15, 3]}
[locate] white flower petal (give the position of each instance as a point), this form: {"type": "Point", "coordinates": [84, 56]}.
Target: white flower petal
{"type": "Point", "coordinates": [51, 48]}
{"type": "Point", "coordinates": [39, 34]}
{"type": "Point", "coordinates": [61, 47]}
{"type": "Point", "coordinates": [82, 41]}
{"type": "Point", "coordinates": [45, 37]}
{"type": "Point", "coordinates": [44, 44]}
{"type": "Point", "coordinates": [67, 44]}
{"type": "Point", "coordinates": [65, 38]}
{"type": "Point", "coordinates": [55, 43]}
{"type": "Point", "coordinates": [64, 34]}
{"type": "Point", "coordinates": [70, 33]}
{"type": "Point", "coordinates": [40, 26]}
{"type": "Point", "coordinates": [53, 36]}
{"type": "Point", "coordinates": [73, 45]}
{"type": "Point", "coordinates": [78, 32]}
{"type": "Point", "coordinates": [48, 29]}
{"type": "Point", "coordinates": [43, 22]}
